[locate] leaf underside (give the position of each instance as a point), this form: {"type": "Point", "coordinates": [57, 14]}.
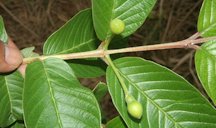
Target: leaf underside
{"type": "Point", "coordinates": [100, 91]}
{"type": "Point", "coordinates": [87, 68]}
{"type": "Point", "coordinates": [132, 12]}
{"type": "Point", "coordinates": [77, 35]}
{"type": "Point", "coordinates": [3, 33]}
{"type": "Point", "coordinates": [207, 18]}
{"type": "Point", "coordinates": [53, 97]}
{"type": "Point", "coordinates": [116, 122]}
{"type": "Point", "coordinates": [11, 88]}
{"type": "Point", "coordinates": [29, 52]}
{"type": "Point", "coordinates": [205, 58]}
{"type": "Point", "coordinates": [168, 100]}
{"type": "Point", "coordinates": [205, 61]}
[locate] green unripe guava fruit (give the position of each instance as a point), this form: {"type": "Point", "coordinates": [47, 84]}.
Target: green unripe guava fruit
{"type": "Point", "coordinates": [117, 26]}
{"type": "Point", "coordinates": [135, 109]}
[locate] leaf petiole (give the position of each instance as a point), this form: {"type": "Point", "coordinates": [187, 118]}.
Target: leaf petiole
{"type": "Point", "coordinates": [122, 83]}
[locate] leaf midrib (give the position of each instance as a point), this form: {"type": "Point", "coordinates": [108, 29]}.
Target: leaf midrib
{"type": "Point", "coordinates": [52, 95]}
{"type": "Point", "coordinates": [208, 28]}
{"type": "Point", "coordinates": [76, 47]}
{"type": "Point", "coordinates": [111, 17]}
{"type": "Point", "coordinates": [208, 53]}
{"type": "Point", "coordinates": [9, 95]}
{"type": "Point", "coordinates": [147, 97]}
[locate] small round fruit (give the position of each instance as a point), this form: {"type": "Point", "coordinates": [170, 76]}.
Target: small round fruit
{"type": "Point", "coordinates": [135, 109]}
{"type": "Point", "coordinates": [117, 26]}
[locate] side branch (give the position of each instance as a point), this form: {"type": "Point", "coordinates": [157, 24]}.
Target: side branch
{"type": "Point", "coordinates": [179, 44]}
{"type": "Point", "coordinates": [188, 43]}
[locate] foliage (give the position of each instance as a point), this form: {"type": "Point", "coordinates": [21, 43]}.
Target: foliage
{"type": "Point", "coordinates": [3, 33]}
{"type": "Point", "coordinates": [50, 94]}
{"type": "Point", "coordinates": [205, 57]}
{"type": "Point", "coordinates": [165, 99]}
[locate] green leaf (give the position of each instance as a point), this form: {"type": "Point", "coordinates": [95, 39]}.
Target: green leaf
{"type": "Point", "coordinates": [132, 12]}
{"type": "Point", "coordinates": [3, 33]}
{"type": "Point", "coordinates": [205, 61]}
{"type": "Point", "coordinates": [168, 100]}
{"type": "Point", "coordinates": [87, 68]}
{"type": "Point", "coordinates": [18, 125]}
{"type": "Point", "coordinates": [100, 91]}
{"type": "Point", "coordinates": [77, 35]}
{"type": "Point", "coordinates": [28, 52]}
{"type": "Point", "coordinates": [91, 68]}
{"type": "Point", "coordinates": [53, 97]}
{"type": "Point", "coordinates": [207, 18]}
{"type": "Point", "coordinates": [205, 58]}
{"type": "Point", "coordinates": [116, 122]}
{"type": "Point", "coordinates": [11, 88]}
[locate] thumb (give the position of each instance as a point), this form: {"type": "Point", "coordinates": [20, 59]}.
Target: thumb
{"type": "Point", "coordinates": [10, 57]}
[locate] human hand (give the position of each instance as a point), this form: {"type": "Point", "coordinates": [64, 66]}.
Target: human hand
{"type": "Point", "coordinates": [10, 57]}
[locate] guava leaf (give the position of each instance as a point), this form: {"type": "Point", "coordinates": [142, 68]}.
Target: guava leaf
{"type": "Point", "coordinates": [205, 58]}
{"type": "Point", "coordinates": [207, 18]}
{"type": "Point", "coordinates": [11, 88]}
{"type": "Point", "coordinates": [116, 122]}
{"type": "Point", "coordinates": [3, 33]}
{"type": "Point", "coordinates": [77, 35]}
{"type": "Point", "coordinates": [205, 61]}
{"type": "Point", "coordinates": [100, 91]}
{"type": "Point", "coordinates": [87, 68]}
{"type": "Point", "coordinates": [168, 100]}
{"type": "Point", "coordinates": [132, 12]}
{"type": "Point", "coordinates": [29, 52]}
{"type": "Point", "coordinates": [53, 97]}
{"type": "Point", "coordinates": [18, 125]}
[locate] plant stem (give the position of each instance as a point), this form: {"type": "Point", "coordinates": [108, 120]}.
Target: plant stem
{"type": "Point", "coordinates": [124, 87]}
{"type": "Point", "coordinates": [195, 36]}
{"type": "Point", "coordinates": [80, 55]}
{"type": "Point", "coordinates": [107, 42]}
{"type": "Point", "coordinates": [188, 43]}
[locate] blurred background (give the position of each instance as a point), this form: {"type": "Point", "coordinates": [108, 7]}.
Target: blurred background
{"type": "Point", "coordinates": [30, 22]}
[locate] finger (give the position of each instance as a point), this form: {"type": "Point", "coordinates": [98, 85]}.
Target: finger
{"type": "Point", "coordinates": [4, 67]}
{"type": "Point", "coordinates": [12, 55]}
{"type": "Point", "coordinates": [2, 51]}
